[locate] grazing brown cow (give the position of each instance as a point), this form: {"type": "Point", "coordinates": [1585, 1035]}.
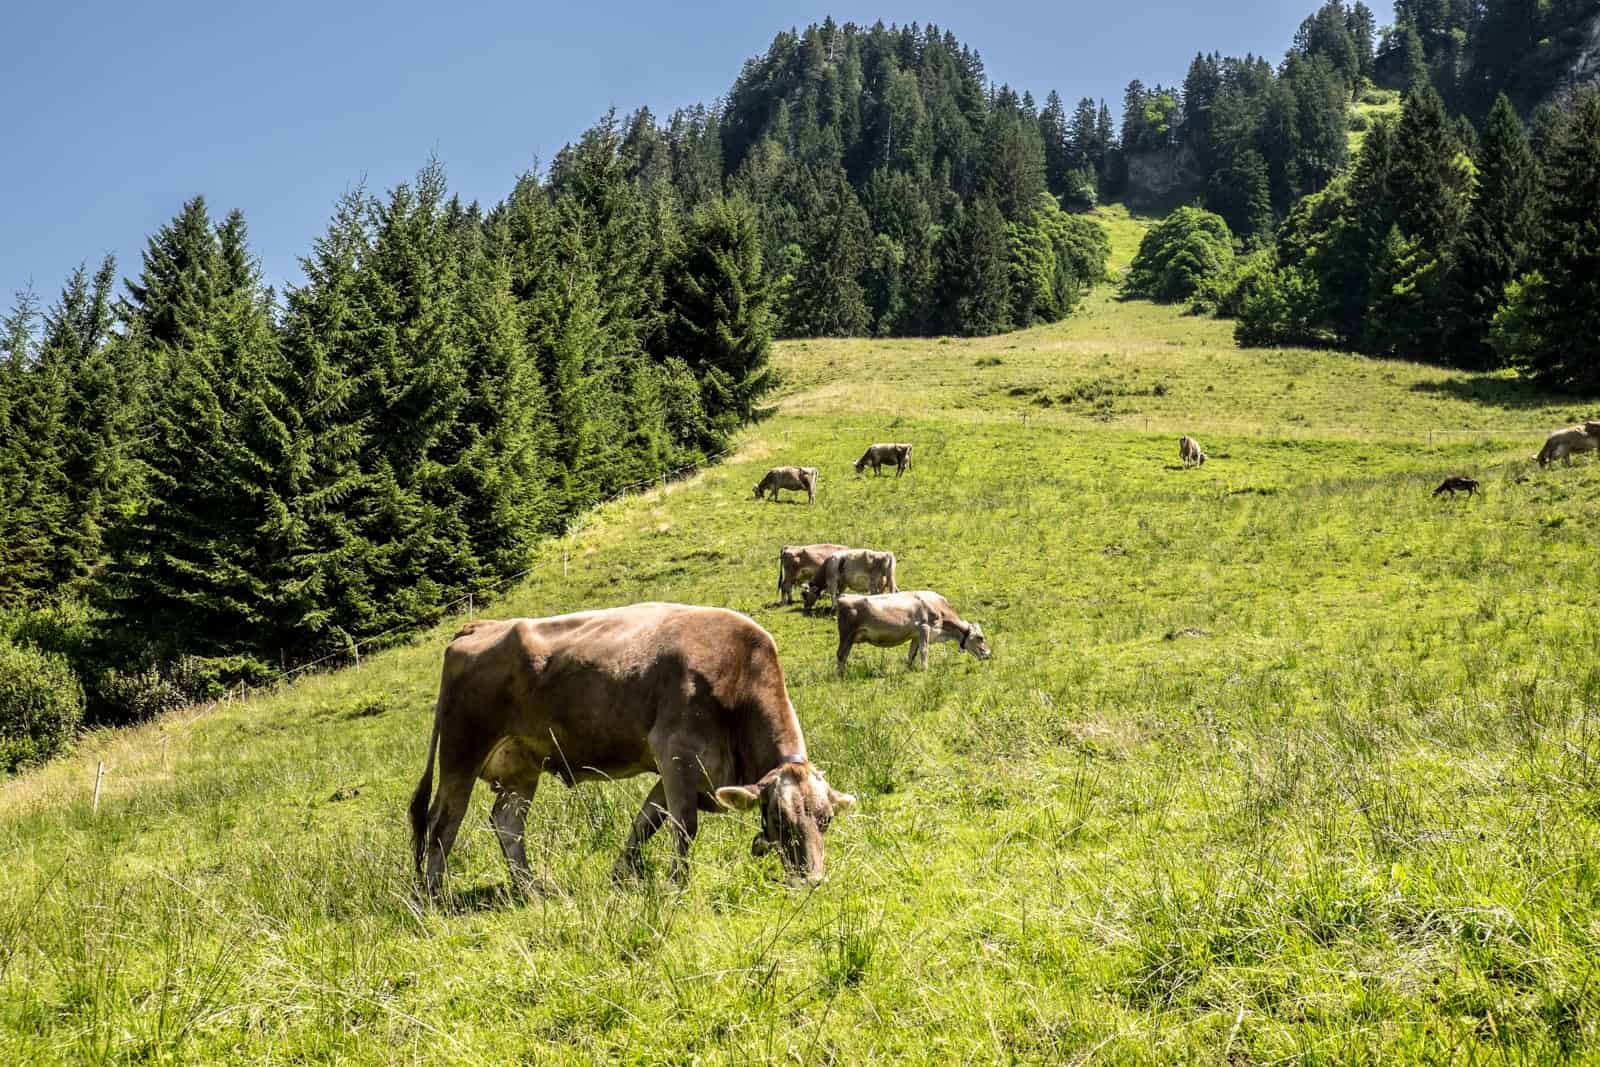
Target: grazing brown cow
{"type": "Point", "coordinates": [860, 569]}
{"type": "Point", "coordinates": [1189, 452]}
{"type": "Point", "coordinates": [1457, 483]}
{"type": "Point", "coordinates": [800, 479]}
{"type": "Point", "coordinates": [1565, 443]}
{"type": "Point", "coordinates": [799, 563]}
{"type": "Point", "coordinates": [880, 456]}
{"type": "Point", "coordinates": [895, 618]}
{"type": "Point", "coordinates": [695, 695]}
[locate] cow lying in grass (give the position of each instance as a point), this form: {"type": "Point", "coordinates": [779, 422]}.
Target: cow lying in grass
{"type": "Point", "coordinates": [895, 618]}
{"type": "Point", "coordinates": [800, 479]}
{"type": "Point", "coordinates": [1566, 443]}
{"type": "Point", "coordinates": [694, 695]}
{"type": "Point", "coordinates": [1189, 452]}
{"type": "Point", "coordinates": [800, 563]}
{"type": "Point", "coordinates": [880, 456]}
{"type": "Point", "coordinates": [860, 569]}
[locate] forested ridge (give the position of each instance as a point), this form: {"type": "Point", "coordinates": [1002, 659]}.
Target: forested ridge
{"type": "Point", "coordinates": [204, 480]}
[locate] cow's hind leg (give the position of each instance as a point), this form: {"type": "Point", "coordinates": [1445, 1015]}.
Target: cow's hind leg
{"type": "Point", "coordinates": [444, 819]}
{"type": "Point", "coordinates": [508, 817]}
{"type": "Point", "coordinates": [651, 815]}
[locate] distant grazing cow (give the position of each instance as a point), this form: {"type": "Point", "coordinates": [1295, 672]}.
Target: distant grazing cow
{"type": "Point", "coordinates": [880, 456]}
{"type": "Point", "coordinates": [895, 618]}
{"type": "Point", "coordinates": [800, 563]}
{"type": "Point", "coordinates": [1565, 443]}
{"type": "Point", "coordinates": [860, 569]}
{"type": "Point", "coordinates": [800, 479]}
{"type": "Point", "coordinates": [1457, 483]}
{"type": "Point", "coordinates": [695, 695]}
{"type": "Point", "coordinates": [1189, 451]}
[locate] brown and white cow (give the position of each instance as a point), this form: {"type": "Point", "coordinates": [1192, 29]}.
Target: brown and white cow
{"type": "Point", "coordinates": [880, 456]}
{"type": "Point", "coordinates": [800, 479]}
{"type": "Point", "coordinates": [893, 619]}
{"type": "Point", "coordinates": [800, 563]}
{"type": "Point", "coordinates": [1568, 442]}
{"type": "Point", "coordinates": [861, 569]}
{"type": "Point", "coordinates": [1189, 452]}
{"type": "Point", "coordinates": [695, 695]}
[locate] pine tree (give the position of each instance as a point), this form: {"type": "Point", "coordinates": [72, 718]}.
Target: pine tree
{"type": "Point", "coordinates": [208, 544]}
{"type": "Point", "coordinates": [411, 366]}
{"type": "Point", "coordinates": [1428, 178]}
{"type": "Point", "coordinates": [826, 298]}
{"type": "Point", "coordinates": [98, 417]}
{"type": "Point", "coordinates": [975, 272]}
{"type": "Point", "coordinates": [1495, 243]}
{"type": "Point", "coordinates": [34, 493]}
{"type": "Point", "coordinates": [719, 312]}
{"type": "Point", "coordinates": [1559, 307]}
{"type": "Point", "coordinates": [1057, 139]}
{"type": "Point", "coordinates": [501, 467]}
{"type": "Point", "coordinates": [326, 596]}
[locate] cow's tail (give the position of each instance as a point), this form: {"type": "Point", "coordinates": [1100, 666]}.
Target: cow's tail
{"type": "Point", "coordinates": [780, 575]}
{"type": "Point", "coordinates": [894, 581]}
{"type": "Point", "coordinates": [424, 794]}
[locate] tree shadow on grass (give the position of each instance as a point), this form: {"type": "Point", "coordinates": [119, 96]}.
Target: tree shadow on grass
{"type": "Point", "coordinates": [1494, 391]}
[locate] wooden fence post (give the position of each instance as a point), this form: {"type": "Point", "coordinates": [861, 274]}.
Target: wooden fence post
{"type": "Point", "coordinates": [99, 776]}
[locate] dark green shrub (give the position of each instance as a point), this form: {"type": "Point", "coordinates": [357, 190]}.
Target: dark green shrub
{"type": "Point", "coordinates": [41, 706]}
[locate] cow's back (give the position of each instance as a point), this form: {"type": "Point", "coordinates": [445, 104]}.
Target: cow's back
{"type": "Point", "coordinates": [582, 693]}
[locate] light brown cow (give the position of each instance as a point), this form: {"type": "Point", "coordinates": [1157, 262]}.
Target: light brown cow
{"type": "Point", "coordinates": [1568, 442]}
{"type": "Point", "coordinates": [860, 569]}
{"type": "Point", "coordinates": [799, 563]}
{"type": "Point", "coordinates": [880, 456]}
{"type": "Point", "coordinates": [800, 479]}
{"type": "Point", "coordinates": [695, 695]}
{"type": "Point", "coordinates": [895, 618]}
{"type": "Point", "coordinates": [1189, 452]}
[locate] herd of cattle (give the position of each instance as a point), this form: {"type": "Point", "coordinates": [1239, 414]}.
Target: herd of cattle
{"type": "Point", "coordinates": [693, 694]}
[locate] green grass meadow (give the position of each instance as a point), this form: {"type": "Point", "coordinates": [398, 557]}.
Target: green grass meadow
{"type": "Point", "coordinates": [1279, 759]}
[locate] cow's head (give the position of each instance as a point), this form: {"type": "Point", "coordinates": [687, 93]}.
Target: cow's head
{"type": "Point", "coordinates": [810, 595]}
{"type": "Point", "coordinates": [861, 464]}
{"type": "Point", "coordinates": [760, 488]}
{"type": "Point", "coordinates": [975, 642]}
{"type": "Point", "coordinates": [1592, 428]}
{"type": "Point", "coordinates": [797, 805]}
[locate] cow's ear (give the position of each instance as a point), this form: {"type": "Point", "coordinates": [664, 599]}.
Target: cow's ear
{"type": "Point", "coordinates": [842, 802]}
{"type": "Point", "coordinates": [738, 797]}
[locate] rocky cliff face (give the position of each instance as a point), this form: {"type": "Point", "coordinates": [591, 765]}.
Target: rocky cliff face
{"type": "Point", "coordinates": [1161, 180]}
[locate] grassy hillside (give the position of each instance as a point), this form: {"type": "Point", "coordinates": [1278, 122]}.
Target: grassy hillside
{"type": "Point", "coordinates": [1281, 758]}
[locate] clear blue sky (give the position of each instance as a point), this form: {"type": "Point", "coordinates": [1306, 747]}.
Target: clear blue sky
{"type": "Point", "coordinates": [115, 113]}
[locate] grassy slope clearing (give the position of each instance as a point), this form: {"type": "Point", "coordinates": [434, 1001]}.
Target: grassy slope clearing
{"type": "Point", "coordinates": [1278, 758]}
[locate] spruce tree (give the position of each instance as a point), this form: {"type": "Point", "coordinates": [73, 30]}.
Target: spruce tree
{"type": "Point", "coordinates": [327, 596]}
{"type": "Point", "coordinates": [1559, 306]}
{"type": "Point", "coordinates": [98, 419]}
{"type": "Point", "coordinates": [35, 492]}
{"type": "Point", "coordinates": [719, 312]}
{"type": "Point", "coordinates": [199, 573]}
{"type": "Point", "coordinates": [1428, 178]}
{"type": "Point", "coordinates": [1496, 240]}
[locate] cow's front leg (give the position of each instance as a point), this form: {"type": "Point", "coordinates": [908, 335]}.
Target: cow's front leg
{"type": "Point", "coordinates": [919, 647]}
{"type": "Point", "coordinates": [681, 777]}
{"type": "Point", "coordinates": [843, 654]}
{"type": "Point", "coordinates": [509, 817]}
{"type": "Point", "coordinates": [645, 825]}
